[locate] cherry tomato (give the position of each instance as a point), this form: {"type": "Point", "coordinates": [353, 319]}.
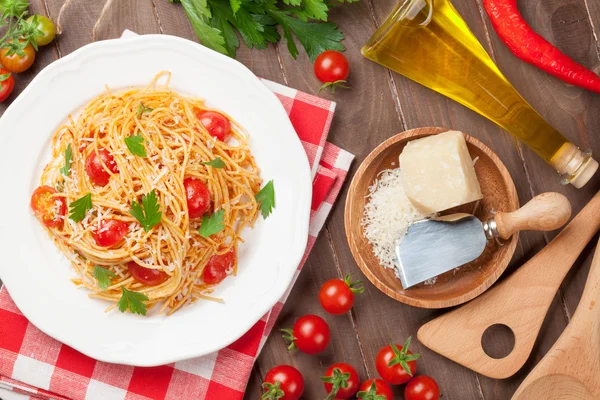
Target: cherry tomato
{"type": "Point", "coordinates": [198, 197]}
{"type": "Point", "coordinates": [422, 388]}
{"type": "Point", "coordinates": [6, 85]}
{"type": "Point", "coordinates": [396, 364]}
{"type": "Point", "coordinates": [331, 67]}
{"type": "Point", "coordinates": [337, 384]}
{"type": "Point", "coordinates": [17, 63]}
{"type": "Point", "coordinates": [337, 296]}
{"type": "Point", "coordinates": [95, 169]}
{"type": "Point", "coordinates": [111, 232]}
{"type": "Point", "coordinates": [375, 389]}
{"type": "Point", "coordinates": [48, 208]}
{"type": "Point", "coordinates": [46, 26]}
{"type": "Point", "coordinates": [215, 123]}
{"type": "Point", "coordinates": [283, 382]}
{"type": "Point", "coordinates": [310, 335]}
{"type": "Point", "coordinates": [218, 267]}
{"type": "Point", "coordinates": [147, 276]}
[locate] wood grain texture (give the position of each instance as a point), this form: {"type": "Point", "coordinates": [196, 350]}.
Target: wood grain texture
{"type": "Point", "coordinates": [453, 287]}
{"type": "Point", "coordinates": [379, 105]}
{"type": "Point", "coordinates": [571, 369]}
{"type": "Point", "coordinates": [520, 302]}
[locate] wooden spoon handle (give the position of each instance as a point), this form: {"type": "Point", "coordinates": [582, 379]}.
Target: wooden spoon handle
{"type": "Point", "coordinates": [545, 212]}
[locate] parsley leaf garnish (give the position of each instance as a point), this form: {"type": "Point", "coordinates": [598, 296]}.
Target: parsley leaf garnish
{"type": "Point", "coordinates": [257, 21]}
{"type": "Point", "coordinates": [148, 212]}
{"type": "Point", "coordinates": [135, 144]}
{"type": "Point", "coordinates": [212, 224]}
{"type": "Point", "coordinates": [103, 276]}
{"type": "Point", "coordinates": [79, 208]}
{"type": "Point", "coordinates": [266, 199]}
{"type": "Point", "coordinates": [68, 159]}
{"type": "Point", "coordinates": [216, 163]}
{"type": "Point", "coordinates": [142, 109]}
{"type": "Point", "coordinates": [132, 301]}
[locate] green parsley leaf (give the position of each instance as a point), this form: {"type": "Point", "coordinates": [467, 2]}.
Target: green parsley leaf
{"type": "Point", "coordinates": [313, 9]}
{"type": "Point", "coordinates": [252, 31]}
{"type": "Point", "coordinates": [79, 208]}
{"type": "Point", "coordinates": [148, 212]}
{"type": "Point", "coordinates": [142, 109]}
{"type": "Point", "coordinates": [266, 199]}
{"type": "Point", "coordinates": [212, 224]}
{"type": "Point", "coordinates": [103, 276]}
{"type": "Point", "coordinates": [135, 144]}
{"type": "Point", "coordinates": [66, 169]}
{"type": "Point", "coordinates": [216, 163]}
{"type": "Point", "coordinates": [198, 13]}
{"type": "Point", "coordinates": [132, 301]}
{"type": "Point", "coordinates": [219, 21]}
{"type": "Point", "coordinates": [235, 5]}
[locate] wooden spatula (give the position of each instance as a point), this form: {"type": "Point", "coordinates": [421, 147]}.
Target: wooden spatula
{"type": "Point", "coordinates": [571, 369]}
{"type": "Point", "coordinates": [520, 302]}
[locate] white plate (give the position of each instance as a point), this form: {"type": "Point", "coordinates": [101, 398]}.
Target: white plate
{"type": "Point", "coordinates": [37, 276]}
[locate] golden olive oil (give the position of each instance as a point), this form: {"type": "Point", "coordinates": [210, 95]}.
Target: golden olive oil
{"type": "Point", "coordinates": [428, 42]}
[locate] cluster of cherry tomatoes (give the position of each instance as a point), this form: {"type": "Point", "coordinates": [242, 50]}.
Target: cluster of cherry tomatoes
{"type": "Point", "coordinates": [395, 364]}
{"type": "Point", "coordinates": [18, 54]}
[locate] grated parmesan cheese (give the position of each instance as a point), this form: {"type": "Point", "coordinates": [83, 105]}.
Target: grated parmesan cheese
{"type": "Point", "coordinates": [387, 216]}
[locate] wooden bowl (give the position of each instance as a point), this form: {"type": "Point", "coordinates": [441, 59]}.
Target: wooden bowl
{"type": "Point", "coordinates": [454, 287]}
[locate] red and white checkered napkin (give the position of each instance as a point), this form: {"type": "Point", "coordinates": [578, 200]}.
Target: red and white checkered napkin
{"type": "Point", "coordinates": [39, 366]}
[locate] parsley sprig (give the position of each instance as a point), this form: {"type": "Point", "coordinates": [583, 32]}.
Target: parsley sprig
{"type": "Point", "coordinates": [215, 163]}
{"type": "Point", "coordinates": [66, 169]}
{"type": "Point", "coordinates": [212, 224]}
{"type": "Point", "coordinates": [103, 276]}
{"type": "Point", "coordinates": [148, 211]}
{"type": "Point", "coordinates": [266, 199]}
{"type": "Point", "coordinates": [132, 301]}
{"type": "Point", "coordinates": [135, 145]}
{"type": "Point", "coordinates": [257, 21]}
{"type": "Point", "coordinates": [79, 208]}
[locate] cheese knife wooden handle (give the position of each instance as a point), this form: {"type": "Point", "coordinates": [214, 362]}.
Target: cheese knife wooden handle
{"type": "Point", "coordinates": [545, 212]}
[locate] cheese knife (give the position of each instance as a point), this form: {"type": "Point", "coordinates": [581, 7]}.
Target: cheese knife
{"type": "Point", "coordinates": [434, 246]}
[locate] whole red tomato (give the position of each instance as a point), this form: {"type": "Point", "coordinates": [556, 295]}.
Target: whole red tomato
{"type": "Point", "coordinates": [341, 381]}
{"type": "Point", "coordinates": [375, 389]}
{"type": "Point", "coordinates": [310, 335]}
{"type": "Point", "coordinates": [7, 84]}
{"type": "Point", "coordinates": [396, 364]}
{"type": "Point", "coordinates": [337, 296]}
{"type": "Point", "coordinates": [422, 388]}
{"type": "Point", "coordinates": [332, 68]}
{"type": "Point", "coordinates": [283, 382]}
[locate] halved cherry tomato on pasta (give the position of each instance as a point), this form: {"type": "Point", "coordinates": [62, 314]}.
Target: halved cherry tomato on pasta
{"type": "Point", "coordinates": [48, 208]}
{"type": "Point", "coordinates": [197, 196]}
{"type": "Point", "coordinates": [96, 171]}
{"type": "Point", "coordinates": [111, 232]}
{"type": "Point", "coordinates": [147, 276]}
{"type": "Point", "coordinates": [7, 84]}
{"type": "Point", "coordinates": [215, 123]}
{"type": "Point", "coordinates": [218, 267]}
{"type": "Point", "coordinates": [375, 389]}
{"type": "Point", "coordinates": [16, 62]}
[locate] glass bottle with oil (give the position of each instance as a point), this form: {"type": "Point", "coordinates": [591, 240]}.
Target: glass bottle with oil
{"type": "Point", "coordinates": [428, 42]}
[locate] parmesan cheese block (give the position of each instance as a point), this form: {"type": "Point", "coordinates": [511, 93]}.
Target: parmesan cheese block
{"type": "Point", "coordinates": [438, 173]}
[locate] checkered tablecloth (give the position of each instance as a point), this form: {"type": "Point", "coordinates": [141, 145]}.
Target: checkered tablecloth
{"type": "Point", "coordinates": [38, 366]}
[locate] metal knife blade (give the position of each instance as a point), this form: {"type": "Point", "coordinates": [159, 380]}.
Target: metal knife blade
{"type": "Point", "coordinates": [432, 247]}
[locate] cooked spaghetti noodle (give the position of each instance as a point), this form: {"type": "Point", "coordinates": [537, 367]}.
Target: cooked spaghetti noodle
{"type": "Point", "coordinates": [176, 145]}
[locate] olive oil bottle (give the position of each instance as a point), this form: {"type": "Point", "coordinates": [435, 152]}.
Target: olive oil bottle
{"type": "Point", "coordinates": [428, 42]}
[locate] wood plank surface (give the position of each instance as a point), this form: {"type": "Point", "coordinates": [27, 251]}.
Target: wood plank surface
{"type": "Point", "coordinates": [379, 105]}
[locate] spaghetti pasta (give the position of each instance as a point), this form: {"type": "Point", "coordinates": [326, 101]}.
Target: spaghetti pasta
{"type": "Point", "coordinates": [173, 146]}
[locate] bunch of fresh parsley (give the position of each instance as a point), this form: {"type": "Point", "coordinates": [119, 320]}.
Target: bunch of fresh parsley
{"type": "Point", "coordinates": [257, 21]}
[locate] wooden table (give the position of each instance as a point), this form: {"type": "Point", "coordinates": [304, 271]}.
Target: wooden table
{"type": "Point", "coordinates": [379, 105]}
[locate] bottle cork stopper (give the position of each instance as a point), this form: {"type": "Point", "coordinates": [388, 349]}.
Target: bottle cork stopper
{"type": "Point", "coordinates": [576, 166]}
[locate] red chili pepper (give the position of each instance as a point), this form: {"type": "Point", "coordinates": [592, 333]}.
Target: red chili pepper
{"type": "Point", "coordinates": [526, 44]}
